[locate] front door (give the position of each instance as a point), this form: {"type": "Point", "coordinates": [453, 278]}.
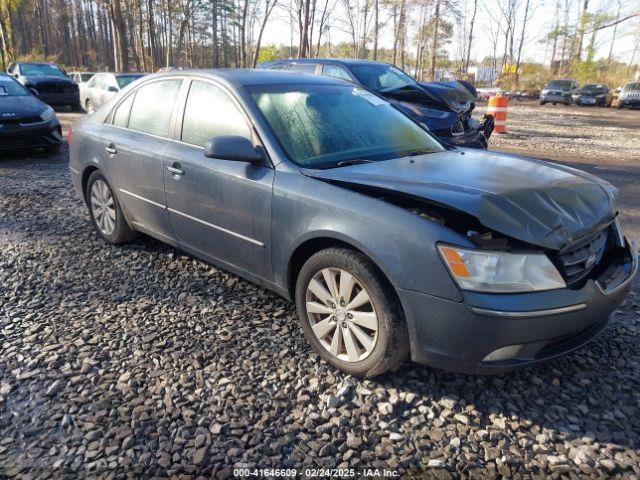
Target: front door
{"type": "Point", "coordinates": [219, 208]}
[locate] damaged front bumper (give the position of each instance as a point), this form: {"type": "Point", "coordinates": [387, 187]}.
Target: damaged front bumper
{"type": "Point", "coordinates": [475, 137]}
{"type": "Point", "coordinates": [494, 333]}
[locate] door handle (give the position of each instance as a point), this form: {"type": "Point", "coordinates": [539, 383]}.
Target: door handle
{"type": "Point", "coordinates": [175, 170]}
{"type": "Point", "coordinates": [111, 149]}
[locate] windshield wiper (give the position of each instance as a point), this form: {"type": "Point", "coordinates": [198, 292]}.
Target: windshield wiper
{"type": "Point", "coordinates": [354, 161]}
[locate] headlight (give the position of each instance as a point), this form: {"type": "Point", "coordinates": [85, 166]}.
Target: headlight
{"type": "Point", "coordinates": [544, 92]}
{"type": "Point", "coordinates": [500, 272]}
{"type": "Point", "coordinates": [48, 114]}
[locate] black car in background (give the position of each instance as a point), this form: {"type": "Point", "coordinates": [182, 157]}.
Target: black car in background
{"type": "Point", "coordinates": [630, 95]}
{"type": "Point", "coordinates": [445, 108]}
{"type": "Point", "coordinates": [25, 121]}
{"type": "Point", "coordinates": [593, 94]}
{"type": "Point", "coordinates": [51, 83]}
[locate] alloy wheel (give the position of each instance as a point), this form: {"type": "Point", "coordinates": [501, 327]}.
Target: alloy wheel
{"type": "Point", "coordinates": [342, 315]}
{"type": "Point", "coordinates": [103, 207]}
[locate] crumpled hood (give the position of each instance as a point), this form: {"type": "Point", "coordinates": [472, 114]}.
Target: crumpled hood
{"type": "Point", "coordinates": [20, 107]}
{"type": "Point", "coordinates": [454, 96]}
{"type": "Point", "coordinates": [454, 93]}
{"type": "Point", "coordinates": [530, 200]}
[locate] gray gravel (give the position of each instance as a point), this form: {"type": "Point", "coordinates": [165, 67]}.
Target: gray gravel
{"type": "Point", "coordinates": [140, 360]}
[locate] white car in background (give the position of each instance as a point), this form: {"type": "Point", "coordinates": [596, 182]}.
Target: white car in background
{"type": "Point", "coordinates": [81, 77]}
{"type": "Point", "coordinates": [103, 87]}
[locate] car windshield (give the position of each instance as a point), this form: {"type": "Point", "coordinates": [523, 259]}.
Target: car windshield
{"type": "Point", "coordinates": [39, 69]}
{"type": "Point", "coordinates": [378, 77]}
{"type": "Point", "coordinates": [631, 86]}
{"type": "Point", "coordinates": [10, 88]}
{"type": "Point", "coordinates": [326, 126]}
{"type": "Point", "coordinates": [124, 80]}
{"type": "Point", "coordinates": [593, 88]}
{"type": "Point", "coordinates": [561, 84]}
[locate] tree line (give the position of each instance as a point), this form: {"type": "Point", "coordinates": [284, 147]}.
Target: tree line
{"type": "Point", "coordinates": [145, 35]}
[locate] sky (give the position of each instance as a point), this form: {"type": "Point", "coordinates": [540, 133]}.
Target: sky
{"type": "Point", "coordinates": [542, 20]}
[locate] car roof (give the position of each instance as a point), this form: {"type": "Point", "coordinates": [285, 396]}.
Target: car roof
{"type": "Point", "coordinates": [254, 77]}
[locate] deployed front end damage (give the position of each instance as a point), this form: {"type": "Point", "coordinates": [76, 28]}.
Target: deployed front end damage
{"type": "Point", "coordinates": [548, 264]}
{"type": "Point", "coordinates": [446, 109]}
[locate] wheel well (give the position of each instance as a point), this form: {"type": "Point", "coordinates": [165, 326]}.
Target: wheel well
{"type": "Point", "coordinates": [85, 178]}
{"type": "Point", "coordinates": [307, 249]}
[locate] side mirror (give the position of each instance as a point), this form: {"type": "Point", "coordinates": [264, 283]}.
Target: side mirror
{"type": "Point", "coordinates": [112, 89]}
{"type": "Point", "coordinates": [232, 147]}
{"type": "Point", "coordinates": [34, 91]}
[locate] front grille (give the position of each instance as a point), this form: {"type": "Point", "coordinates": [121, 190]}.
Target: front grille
{"type": "Point", "coordinates": [631, 96]}
{"type": "Point", "coordinates": [578, 262]}
{"type": "Point", "coordinates": [54, 88]}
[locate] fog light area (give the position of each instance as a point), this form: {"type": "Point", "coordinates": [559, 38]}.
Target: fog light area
{"type": "Point", "coordinates": [504, 353]}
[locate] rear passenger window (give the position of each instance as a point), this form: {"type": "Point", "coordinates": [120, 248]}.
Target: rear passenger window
{"type": "Point", "coordinates": [121, 115]}
{"type": "Point", "coordinates": [153, 106]}
{"type": "Point", "coordinates": [210, 112]}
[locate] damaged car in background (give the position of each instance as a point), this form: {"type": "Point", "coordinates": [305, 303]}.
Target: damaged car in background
{"type": "Point", "coordinates": [390, 245]}
{"type": "Point", "coordinates": [445, 108]}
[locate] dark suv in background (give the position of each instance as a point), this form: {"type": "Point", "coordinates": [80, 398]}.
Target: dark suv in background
{"type": "Point", "coordinates": [558, 91]}
{"type": "Point", "coordinates": [445, 108]}
{"type": "Point", "coordinates": [49, 81]}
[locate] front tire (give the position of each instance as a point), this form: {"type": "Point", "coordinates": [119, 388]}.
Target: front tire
{"type": "Point", "coordinates": [349, 313]}
{"type": "Point", "coordinates": [88, 106]}
{"type": "Point", "coordinates": [105, 211]}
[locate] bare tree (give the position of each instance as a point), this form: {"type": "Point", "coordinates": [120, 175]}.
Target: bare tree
{"type": "Point", "coordinates": [470, 43]}
{"type": "Point", "coordinates": [269, 5]}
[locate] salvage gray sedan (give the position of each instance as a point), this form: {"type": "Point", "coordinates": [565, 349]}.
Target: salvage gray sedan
{"type": "Point", "coordinates": [389, 244]}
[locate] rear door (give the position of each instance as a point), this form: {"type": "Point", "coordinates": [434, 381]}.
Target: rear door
{"type": "Point", "coordinates": [140, 128]}
{"type": "Point", "coordinates": [219, 208]}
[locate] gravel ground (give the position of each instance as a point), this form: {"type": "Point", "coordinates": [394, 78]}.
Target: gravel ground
{"type": "Point", "coordinates": [142, 361]}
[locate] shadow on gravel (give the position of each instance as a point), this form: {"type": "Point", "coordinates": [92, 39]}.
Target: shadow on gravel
{"type": "Point", "coordinates": [563, 396]}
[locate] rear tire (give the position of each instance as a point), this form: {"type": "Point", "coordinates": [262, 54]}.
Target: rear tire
{"type": "Point", "coordinates": [105, 211]}
{"type": "Point", "coordinates": [356, 322]}
{"type": "Point", "coordinates": [543, 103]}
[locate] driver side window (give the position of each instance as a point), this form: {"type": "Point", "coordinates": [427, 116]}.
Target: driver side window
{"type": "Point", "coordinates": [209, 112]}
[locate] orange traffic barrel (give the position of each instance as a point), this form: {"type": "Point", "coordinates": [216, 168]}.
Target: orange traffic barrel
{"type": "Point", "coordinates": [498, 108]}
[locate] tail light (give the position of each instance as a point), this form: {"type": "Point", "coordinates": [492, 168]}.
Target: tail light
{"type": "Point", "coordinates": [70, 136]}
